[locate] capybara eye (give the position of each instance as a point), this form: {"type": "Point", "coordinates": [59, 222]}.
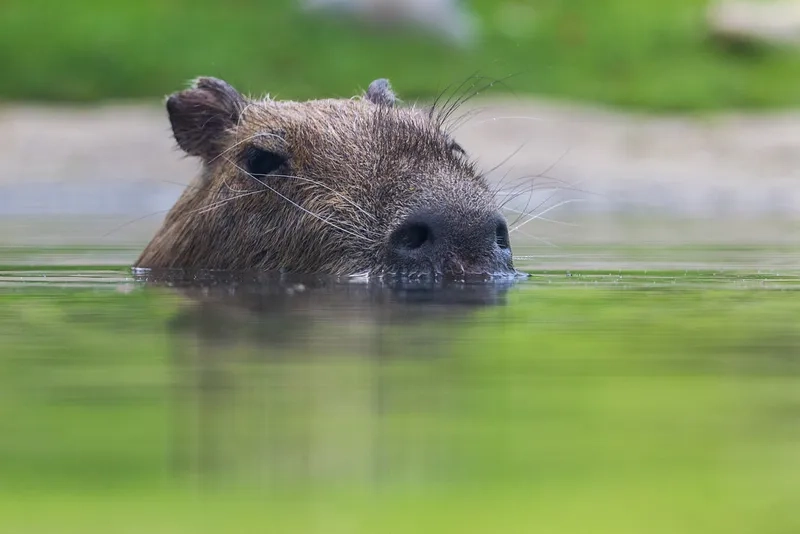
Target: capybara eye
{"type": "Point", "coordinates": [260, 162]}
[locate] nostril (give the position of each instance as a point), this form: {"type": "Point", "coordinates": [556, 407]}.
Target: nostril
{"type": "Point", "coordinates": [412, 236]}
{"type": "Point", "coordinates": [501, 235]}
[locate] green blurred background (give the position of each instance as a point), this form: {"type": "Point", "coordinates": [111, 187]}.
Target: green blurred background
{"type": "Point", "coordinates": [639, 53]}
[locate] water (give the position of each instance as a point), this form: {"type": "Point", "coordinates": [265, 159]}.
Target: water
{"type": "Point", "coordinates": [642, 390]}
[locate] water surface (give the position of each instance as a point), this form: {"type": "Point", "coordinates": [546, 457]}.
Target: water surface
{"type": "Point", "coordinates": [615, 390]}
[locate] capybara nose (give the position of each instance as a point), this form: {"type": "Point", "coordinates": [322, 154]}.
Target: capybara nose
{"type": "Point", "coordinates": [445, 240]}
{"type": "Point", "coordinates": [418, 236]}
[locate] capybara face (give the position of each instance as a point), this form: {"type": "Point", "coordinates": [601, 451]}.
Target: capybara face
{"type": "Point", "coordinates": [342, 187]}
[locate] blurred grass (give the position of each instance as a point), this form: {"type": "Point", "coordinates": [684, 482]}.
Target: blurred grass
{"type": "Point", "coordinates": [571, 409]}
{"type": "Point", "coordinates": [643, 54]}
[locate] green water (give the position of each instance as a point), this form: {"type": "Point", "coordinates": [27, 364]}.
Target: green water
{"type": "Point", "coordinates": [624, 401]}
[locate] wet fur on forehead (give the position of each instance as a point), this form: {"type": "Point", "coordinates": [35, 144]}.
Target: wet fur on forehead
{"type": "Point", "coordinates": [346, 127]}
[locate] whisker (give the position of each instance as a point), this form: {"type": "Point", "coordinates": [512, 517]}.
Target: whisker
{"type": "Point", "coordinates": [200, 187]}
{"type": "Point", "coordinates": [458, 98]}
{"type": "Point", "coordinates": [469, 96]}
{"type": "Point", "coordinates": [455, 92]}
{"type": "Point", "coordinates": [243, 141]}
{"type": "Point", "coordinates": [500, 183]}
{"type": "Point", "coordinates": [244, 110]}
{"type": "Point", "coordinates": [456, 103]}
{"type": "Point", "coordinates": [526, 212]}
{"type": "Point", "coordinates": [555, 163]}
{"type": "Point", "coordinates": [192, 186]}
{"type": "Point", "coordinates": [537, 238]}
{"type": "Point", "coordinates": [441, 95]}
{"type": "Point", "coordinates": [523, 188]}
{"type": "Point", "coordinates": [537, 181]}
{"type": "Point", "coordinates": [547, 186]}
{"type": "Point", "coordinates": [143, 217]}
{"type": "Point", "coordinates": [138, 219]}
{"type": "Point", "coordinates": [567, 186]}
{"type": "Point", "coordinates": [551, 208]}
{"type": "Point", "coordinates": [320, 184]}
{"type": "Point", "coordinates": [508, 158]}
{"type": "Point", "coordinates": [460, 121]}
{"type": "Point", "coordinates": [554, 221]}
{"type": "Point", "coordinates": [220, 203]}
{"type": "Point", "coordinates": [301, 208]}
{"type": "Point", "coordinates": [511, 196]}
{"type": "Point", "coordinates": [528, 203]}
{"type": "Point", "coordinates": [511, 118]}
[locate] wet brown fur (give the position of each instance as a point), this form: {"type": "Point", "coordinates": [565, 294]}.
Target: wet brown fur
{"type": "Point", "coordinates": [355, 169]}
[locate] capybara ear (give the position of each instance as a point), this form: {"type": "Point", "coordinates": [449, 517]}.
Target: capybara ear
{"type": "Point", "coordinates": [202, 114]}
{"type": "Point", "coordinates": [380, 93]}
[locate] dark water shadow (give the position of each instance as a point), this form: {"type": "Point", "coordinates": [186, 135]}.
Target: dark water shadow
{"type": "Point", "coordinates": [264, 364]}
{"type": "Point", "coordinates": [274, 308]}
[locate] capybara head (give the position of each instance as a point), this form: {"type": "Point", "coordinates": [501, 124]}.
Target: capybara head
{"type": "Point", "coordinates": [343, 187]}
